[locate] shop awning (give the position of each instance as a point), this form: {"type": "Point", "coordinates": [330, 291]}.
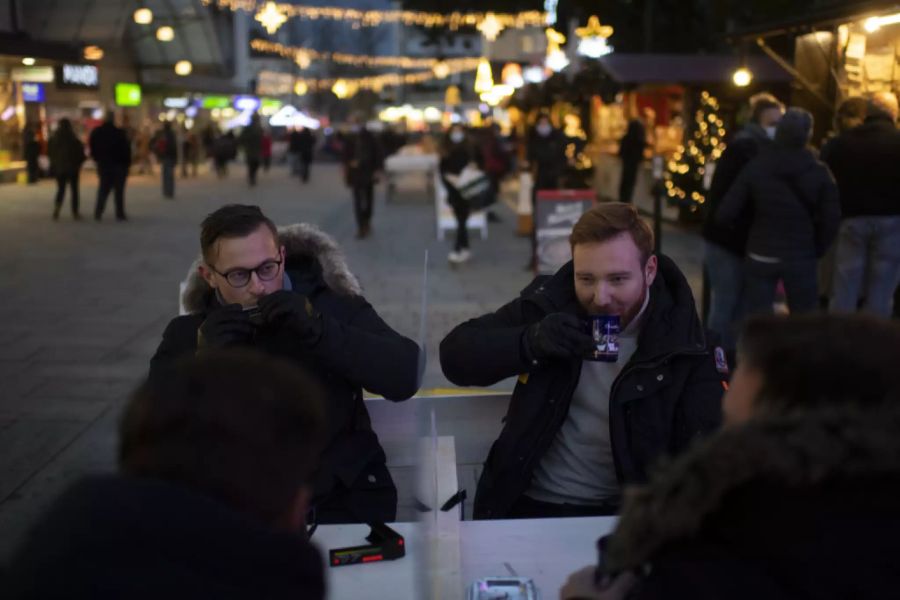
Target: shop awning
{"type": "Point", "coordinates": [837, 13]}
{"type": "Point", "coordinates": [687, 68]}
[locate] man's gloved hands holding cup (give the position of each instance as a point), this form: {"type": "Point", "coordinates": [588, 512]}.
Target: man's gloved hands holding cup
{"type": "Point", "coordinates": [557, 336]}
{"type": "Point", "coordinates": [225, 326]}
{"type": "Point", "coordinates": [294, 311]}
{"type": "Point", "coordinates": [232, 325]}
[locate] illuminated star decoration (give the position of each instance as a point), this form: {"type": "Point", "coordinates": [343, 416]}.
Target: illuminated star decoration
{"type": "Point", "coordinates": [556, 58]}
{"type": "Point", "coordinates": [593, 38]}
{"type": "Point", "coordinates": [302, 59]}
{"type": "Point", "coordinates": [271, 18]}
{"type": "Point", "coordinates": [490, 27]}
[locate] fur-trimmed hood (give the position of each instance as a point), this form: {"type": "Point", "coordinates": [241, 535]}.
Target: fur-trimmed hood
{"type": "Point", "coordinates": [797, 451]}
{"type": "Point", "coordinates": [301, 241]}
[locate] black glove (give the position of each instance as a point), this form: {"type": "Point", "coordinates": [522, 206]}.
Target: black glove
{"type": "Point", "coordinates": [558, 335]}
{"type": "Point", "coordinates": [225, 326]}
{"type": "Point", "coordinates": [294, 311]}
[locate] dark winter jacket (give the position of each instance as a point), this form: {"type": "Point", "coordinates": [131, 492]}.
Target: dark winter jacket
{"type": "Point", "coordinates": [362, 158]}
{"type": "Point", "coordinates": [634, 142]}
{"type": "Point", "coordinates": [111, 537]}
{"type": "Point", "coordinates": [804, 506]}
{"type": "Point", "coordinates": [251, 141]}
{"type": "Point", "coordinates": [865, 163]}
{"type": "Point", "coordinates": [547, 155]}
{"type": "Point", "coordinates": [164, 145]}
{"type": "Point", "coordinates": [793, 200]}
{"type": "Point", "coordinates": [742, 149]}
{"type": "Point", "coordinates": [356, 350]}
{"type": "Point", "coordinates": [66, 153]}
{"type": "Point", "coordinates": [454, 160]}
{"type": "Point", "coordinates": [668, 394]}
{"type": "Point", "coordinates": [110, 146]}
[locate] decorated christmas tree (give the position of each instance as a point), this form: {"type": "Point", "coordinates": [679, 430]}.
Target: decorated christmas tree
{"type": "Point", "coordinates": [686, 169]}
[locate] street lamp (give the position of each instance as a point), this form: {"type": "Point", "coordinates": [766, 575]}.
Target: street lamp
{"type": "Point", "coordinates": [93, 53]}
{"type": "Point", "coordinates": [183, 67]}
{"type": "Point", "coordinates": [742, 77]}
{"type": "Point", "coordinates": [143, 16]}
{"type": "Point", "coordinates": [165, 34]}
{"type": "Point", "coordinates": [28, 61]}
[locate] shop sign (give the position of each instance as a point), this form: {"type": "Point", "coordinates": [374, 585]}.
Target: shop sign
{"type": "Point", "coordinates": [210, 102]}
{"type": "Point", "coordinates": [32, 74]}
{"type": "Point", "coordinates": [128, 94]}
{"type": "Point", "coordinates": [84, 77]}
{"type": "Point", "coordinates": [246, 103]}
{"type": "Point", "coordinates": [33, 92]}
{"type": "Point", "coordinates": [178, 103]}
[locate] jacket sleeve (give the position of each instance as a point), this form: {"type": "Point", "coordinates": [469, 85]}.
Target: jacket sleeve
{"type": "Point", "coordinates": [365, 350]}
{"type": "Point", "coordinates": [735, 201]}
{"type": "Point", "coordinates": [699, 410]}
{"type": "Point", "coordinates": [179, 339]}
{"type": "Point", "coordinates": [487, 349]}
{"type": "Point", "coordinates": [727, 170]}
{"type": "Point", "coordinates": [829, 215]}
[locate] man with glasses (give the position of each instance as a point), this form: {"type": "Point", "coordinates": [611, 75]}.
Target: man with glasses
{"type": "Point", "coordinates": [290, 293]}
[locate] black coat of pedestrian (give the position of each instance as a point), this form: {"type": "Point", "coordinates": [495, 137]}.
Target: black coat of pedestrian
{"type": "Point", "coordinates": [357, 350]}
{"type": "Point", "coordinates": [806, 506]}
{"type": "Point", "coordinates": [362, 157]}
{"type": "Point", "coordinates": [66, 153]}
{"type": "Point", "coordinates": [667, 395]}
{"type": "Point", "coordinates": [547, 155]}
{"type": "Point", "coordinates": [109, 145]}
{"type": "Point", "coordinates": [865, 163]}
{"type": "Point", "coordinates": [794, 204]}
{"type": "Point", "coordinates": [306, 143]}
{"type": "Point", "coordinates": [165, 145]}
{"type": "Point", "coordinates": [742, 149]}
{"type": "Point", "coordinates": [113, 536]}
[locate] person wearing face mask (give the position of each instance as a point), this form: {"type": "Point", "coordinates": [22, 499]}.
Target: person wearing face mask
{"type": "Point", "coordinates": [805, 476]}
{"type": "Point", "coordinates": [727, 245]}
{"type": "Point", "coordinates": [547, 158]}
{"type": "Point", "coordinates": [577, 430]}
{"type": "Point", "coordinates": [455, 155]}
{"type": "Point", "coordinates": [795, 213]}
{"type": "Point", "coordinates": [290, 293]}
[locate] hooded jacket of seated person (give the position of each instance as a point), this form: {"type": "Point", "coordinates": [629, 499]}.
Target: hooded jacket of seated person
{"type": "Point", "coordinates": [356, 350]}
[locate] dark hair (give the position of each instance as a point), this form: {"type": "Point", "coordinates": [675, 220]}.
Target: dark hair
{"type": "Point", "coordinates": [816, 361]}
{"type": "Point", "coordinates": [609, 219]}
{"type": "Point", "coordinates": [760, 103]}
{"type": "Point", "coordinates": [64, 126]}
{"type": "Point", "coordinates": [231, 221]}
{"type": "Point", "coordinates": [236, 425]}
{"type": "Point", "coordinates": [794, 129]}
{"type": "Point", "coordinates": [853, 108]}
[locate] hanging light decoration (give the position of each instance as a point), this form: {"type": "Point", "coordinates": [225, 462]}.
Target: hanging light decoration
{"type": "Point", "coordinates": [303, 59]}
{"type": "Point", "coordinates": [556, 59]}
{"type": "Point", "coordinates": [343, 88]}
{"type": "Point", "coordinates": [271, 17]}
{"type": "Point", "coordinates": [28, 61]}
{"type": "Point", "coordinates": [93, 53]}
{"type": "Point", "coordinates": [143, 16]}
{"type": "Point", "coordinates": [593, 38]}
{"type": "Point", "coordinates": [452, 97]}
{"type": "Point", "coordinates": [165, 34]}
{"type": "Point", "coordinates": [484, 80]}
{"type": "Point", "coordinates": [441, 69]}
{"type": "Point", "coordinates": [300, 88]}
{"type": "Point", "coordinates": [183, 67]}
{"type": "Point", "coordinates": [742, 77]}
{"type": "Point", "coordinates": [490, 27]}
{"type": "Point", "coordinates": [512, 75]}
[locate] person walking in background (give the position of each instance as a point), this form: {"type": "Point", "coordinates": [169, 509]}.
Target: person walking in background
{"type": "Point", "coordinates": [455, 155]}
{"type": "Point", "coordinates": [223, 151]}
{"type": "Point", "coordinates": [631, 153]}
{"type": "Point", "coordinates": [726, 246]}
{"type": "Point", "coordinates": [190, 153]}
{"type": "Point", "coordinates": [251, 140]}
{"type": "Point", "coordinates": [165, 146]}
{"type": "Point", "coordinates": [796, 212]}
{"type": "Point", "coordinates": [547, 158]}
{"type": "Point", "coordinates": [31, 150]}
{"type": "Point", "coordinates": [66, 154]}
{"type": "Point", "coordinates": [142, 151]}
{"type": "Point", "coordinates": [306, 147]}
{"type": "Point", "coordinates": [851, 113]}
{"type": "Point", "coordinates": [866, 163]}
{"type": "Point", "coordinates": [294, 150]}
{"type": "Point", "coordinates": [266, 150]}
{"type": "Point", "coordinates": [362, 162]}
{"type": "Point", "coordinates": [496, 161]}
{"type": "Point", "coordinates": [111, 151]}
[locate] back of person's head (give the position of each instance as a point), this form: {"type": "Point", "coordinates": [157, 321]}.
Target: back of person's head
{"type": "Point", "coordinates": [762, 102]}
{"type": "Point", "coordinates": [64, 127]}
{"type": "Point", "coordinates": [231, 221]}
{"type": "Point", "coordinates": [884, 105]}
{"type": "Point", "coordinates": [110, 117]}
{"type": "Point", "coordinates": [611, 219]}
{"type": "Point", "coordinates": [794, 129]}
{"type": "Point", "coordinates": [851, 112]}
{"type": "Point", "coordinates": [238, 426]}
{"type": "Point", "coordinates": [818, 361]}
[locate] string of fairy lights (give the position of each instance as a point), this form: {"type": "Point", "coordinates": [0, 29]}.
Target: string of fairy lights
{"type": "Point", "coordinates": [272, 15]}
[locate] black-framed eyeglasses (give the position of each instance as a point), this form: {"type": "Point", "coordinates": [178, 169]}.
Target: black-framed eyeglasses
{"type": "Point", "coordinates": [239, 277]}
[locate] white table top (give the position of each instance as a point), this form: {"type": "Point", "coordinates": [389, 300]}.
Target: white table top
{"type": "Point", "coordinates": [388, 579]}
{"type": "Point", "coordinates": [546, 550]}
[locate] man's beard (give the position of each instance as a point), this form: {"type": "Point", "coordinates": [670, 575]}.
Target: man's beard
{"type": "Point", "coordinates": [633, 310]}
